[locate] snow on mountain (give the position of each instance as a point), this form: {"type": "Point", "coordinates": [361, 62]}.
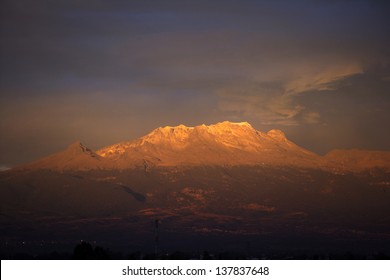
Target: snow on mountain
{"type": "Point", "coordinates": [224, 143]}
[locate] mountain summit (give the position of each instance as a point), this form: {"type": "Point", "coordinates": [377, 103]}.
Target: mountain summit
{"type": "Point", "coordinates": [224, 143]}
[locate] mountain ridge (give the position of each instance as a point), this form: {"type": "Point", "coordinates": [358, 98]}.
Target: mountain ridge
{"type": "Point", "coordinates": [222, 144]}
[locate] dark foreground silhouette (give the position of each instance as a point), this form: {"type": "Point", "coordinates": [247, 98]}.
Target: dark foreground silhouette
{"type": "Point", "coordinates": [86, 251]}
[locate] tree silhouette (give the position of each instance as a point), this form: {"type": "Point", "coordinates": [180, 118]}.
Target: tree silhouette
{"type": "Point", "coordinates": [83, 251]}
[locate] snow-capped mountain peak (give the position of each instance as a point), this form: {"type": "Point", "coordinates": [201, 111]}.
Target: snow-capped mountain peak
{"type": "Point", "coordinates": [221, 144]}
{"type": "Point", "coordinates": [217, 144]}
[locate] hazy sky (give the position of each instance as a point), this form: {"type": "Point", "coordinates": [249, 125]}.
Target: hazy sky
{"type": "Point", "coordinates": [106, 71]}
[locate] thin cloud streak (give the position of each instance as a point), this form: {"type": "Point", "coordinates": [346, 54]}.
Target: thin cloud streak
{"type": "Point", "coordinates": [277, 104]}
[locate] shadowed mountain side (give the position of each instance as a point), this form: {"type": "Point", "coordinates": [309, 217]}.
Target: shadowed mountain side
{"type": "Point", "coordinates": [51, 193]}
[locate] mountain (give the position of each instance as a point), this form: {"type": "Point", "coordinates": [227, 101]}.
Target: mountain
{"type": "Point", "coordinates": [217, 186]}
{"type": "Point", "coordinates": [221, 144]}
{"type": "Point", "coordinates": [224, 143]}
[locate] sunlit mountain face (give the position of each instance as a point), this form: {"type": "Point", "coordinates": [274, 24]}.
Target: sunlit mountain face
{"type": "Point", "coordinates": [225, 187]}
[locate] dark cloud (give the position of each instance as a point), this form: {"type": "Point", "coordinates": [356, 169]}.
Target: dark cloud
{"type": "Point", "coordinates": [105, 71]}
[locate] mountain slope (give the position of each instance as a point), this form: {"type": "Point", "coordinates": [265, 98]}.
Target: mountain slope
{"type": "Point", "coordinates": [75, 157]}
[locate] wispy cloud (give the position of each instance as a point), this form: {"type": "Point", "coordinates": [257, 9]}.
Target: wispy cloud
{"type": "Point", "coordinates": [317, 77]}
{"type": "Point", "coordinates": [276, 101]}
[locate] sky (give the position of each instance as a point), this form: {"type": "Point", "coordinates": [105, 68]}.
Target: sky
{"type": "Point", "coordinates": [103, 72]}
